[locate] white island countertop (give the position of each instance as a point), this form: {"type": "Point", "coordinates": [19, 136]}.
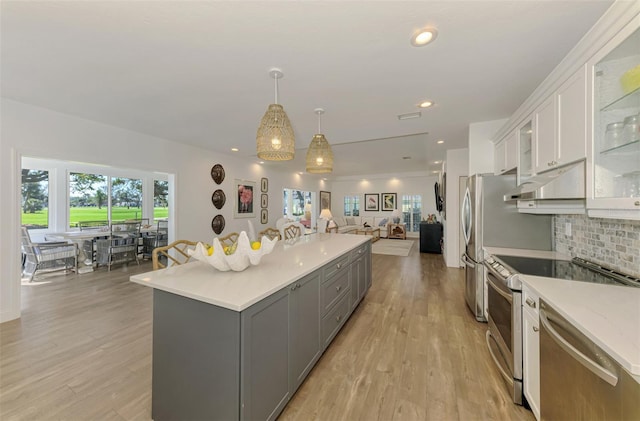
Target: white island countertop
{"type": "Point", "coordinates": [609, 315]}
{"type": "Point", "coordinates": [239, 290]}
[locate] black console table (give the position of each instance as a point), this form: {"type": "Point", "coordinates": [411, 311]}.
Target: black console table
{"type": "Point", "coordinates": [430, 237]}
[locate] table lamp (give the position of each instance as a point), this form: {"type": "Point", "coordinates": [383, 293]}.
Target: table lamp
{"type": "Point", "coordinates": [395, 215]}
{"type": "Point", "coordinates": [326, 215]}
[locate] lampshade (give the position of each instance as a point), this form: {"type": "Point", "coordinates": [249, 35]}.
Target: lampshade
{"type": "Point", "coordinates": [326, 214]}
{"type": "Point", "coordinates": [319, 154]}
{"type": "Point", "coordinates": [275, 140]}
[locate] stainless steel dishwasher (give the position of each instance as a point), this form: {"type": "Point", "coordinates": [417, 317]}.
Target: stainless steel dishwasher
{"type": "Point", "coordinates": [578, 380]}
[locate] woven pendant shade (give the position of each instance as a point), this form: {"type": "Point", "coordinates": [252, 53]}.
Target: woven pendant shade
{"type": "Point", "coordinates": [275, 140]}
{"type": "Point", "coordinates": [319, 156]}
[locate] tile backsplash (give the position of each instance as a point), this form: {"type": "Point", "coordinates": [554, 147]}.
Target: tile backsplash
{"type": "Point", "coordinates": [614, 243]}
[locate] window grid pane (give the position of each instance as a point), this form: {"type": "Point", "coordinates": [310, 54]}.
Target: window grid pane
{"type": "Point", "coordinates": [88, 200]}
{"type": "Point", "coordinates": [35, 199]}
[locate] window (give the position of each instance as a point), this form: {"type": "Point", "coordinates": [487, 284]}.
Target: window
{"type": "Point", "coordinates": [412, 211]}
{"type": "Point", "coordinates": [88, 198]}
{"type": "Point", "coordinates": [35, 198]}
{"type": "Point", "coordinates": [160, 199]}
{"type": "Point", "coordinates": [352, 205]}
{"type": "Point", "coordinates": [294, 203]}
{"type": "Point", "coordinates": [126, 198]}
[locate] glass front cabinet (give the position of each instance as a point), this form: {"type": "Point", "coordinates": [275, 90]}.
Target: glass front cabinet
{"type": "Point", "coordinates": [613, 181]}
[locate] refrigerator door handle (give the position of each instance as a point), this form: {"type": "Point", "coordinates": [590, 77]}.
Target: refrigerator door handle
{"type": "Point", "coordinates": [466, 218]}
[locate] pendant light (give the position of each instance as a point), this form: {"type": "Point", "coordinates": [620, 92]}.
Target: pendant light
{"type": "Point", "coordinates": [319, 154]}
{"type": "Point", "coordinates": [275, 140]}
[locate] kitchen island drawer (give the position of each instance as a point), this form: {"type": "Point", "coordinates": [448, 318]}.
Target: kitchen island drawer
{"type": "Point", "coordinates": [333, 289]}
{"type": "Point", "coordinates": [333, 321]}
{"type": "Point", "coordinates": [335, 266]}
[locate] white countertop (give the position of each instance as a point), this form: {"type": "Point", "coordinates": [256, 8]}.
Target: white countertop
{"type": "Point", "coordinates": [239, 290]}
{"type": "Point", "coordinates": [608, 315]}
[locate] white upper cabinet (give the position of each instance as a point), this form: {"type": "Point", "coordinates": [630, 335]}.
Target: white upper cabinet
{"type": "Point", "coordinates": [613, 173]}
{"type": "Point", "coordinates": [505, 156]}
{"type": "Point", "coordinates": [572, 119]}
{"type": "Point", "coordinates": [545, 135]}
{"type": "Point", "coordinates": [560, 125]}
{"type": "Point", "coordinates": [525, 149]}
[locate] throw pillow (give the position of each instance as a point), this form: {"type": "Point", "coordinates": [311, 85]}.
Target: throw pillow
{"type": "Point", "coordinates": [350, 220]}
{"type": "Point", "coordinates": [383, 222]}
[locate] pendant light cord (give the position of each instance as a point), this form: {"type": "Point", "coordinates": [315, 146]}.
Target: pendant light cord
{"type": "Point", "coordinates": [276, 87]}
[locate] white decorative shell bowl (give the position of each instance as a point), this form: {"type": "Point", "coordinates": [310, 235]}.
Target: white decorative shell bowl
{"type": "Point", "coordinates": [243, 257]}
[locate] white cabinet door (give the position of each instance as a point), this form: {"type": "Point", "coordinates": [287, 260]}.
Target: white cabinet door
{"type": "Point", "coordinates": [505, 156]}
{"type": "Point", "coordinates": [500, 157]}
{"type": "Point", "coordinates": [531, 350]}
{"type": "Point", "coordinates": [545, 135]}
{"type": "Point", "coordinates": [511, 155]}
{"type": "Point", "coordinates": [572, 119]}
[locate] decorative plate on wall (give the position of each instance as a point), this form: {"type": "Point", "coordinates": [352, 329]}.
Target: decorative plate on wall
{"type": "Point", "coordinates": [218, 199]}
{"type": "Point", "coordinates": [217, 224]}
{"type": "Point", "coordinates": [217, 173]}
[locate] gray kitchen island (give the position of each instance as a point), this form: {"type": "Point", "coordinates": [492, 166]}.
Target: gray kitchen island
{"type": "Point", "coordinates": [237, 345]}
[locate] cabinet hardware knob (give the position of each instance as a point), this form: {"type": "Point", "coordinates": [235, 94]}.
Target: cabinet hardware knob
{"type": "Point", "coordinates": [530, 303]}
{"type": "Point", "coordinates": [535, 329]}
{"type": "Point", "coordinates": [338, 318]}
{"type": "Point", "coordinates": [338, 288]}
{"type": "Point", "coordinates": [531, 205]}
{"type": "Point", "coordinates": [637, 203]}
{"type": "Point", "coordinates": [339, 265]}
{"type": "Point", "coordinates": [297, 285]}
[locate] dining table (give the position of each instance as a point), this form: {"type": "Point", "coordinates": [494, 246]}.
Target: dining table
{"type": "Point", "coordinates": [85, 263]}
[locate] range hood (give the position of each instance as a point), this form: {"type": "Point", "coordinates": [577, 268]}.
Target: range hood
{"type": "Point", "coordinates": [565, 183]}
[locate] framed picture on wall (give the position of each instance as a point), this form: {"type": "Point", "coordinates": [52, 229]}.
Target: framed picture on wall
{"type": "Point", "coordinates": [371, 202]}
{"type": "Point", "coordinates": [264, 216]}
{"type": "Point", "coordinates": [325, 200]}
{"type": "Point", "coordinates": [264, 185]}
{"type": "Point", "coordinates": [264, 201]}
{"type": "Point", "coordinates": [389, 201]}
{"type": "Point", "coordinates": [244, 200]}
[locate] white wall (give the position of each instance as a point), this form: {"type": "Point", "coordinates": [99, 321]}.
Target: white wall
{"type": "Point", "coordinates": [480, 145]}
{"type": "Point", "coordinates": [456, 164]}
{"type": "Point", "coordinates": [37, 132]}
{"type": "Point", "coordinates": [407, 183]}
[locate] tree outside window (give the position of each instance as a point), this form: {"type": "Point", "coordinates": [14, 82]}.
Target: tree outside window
{"type": "Point", "coordinates": [35, 198]}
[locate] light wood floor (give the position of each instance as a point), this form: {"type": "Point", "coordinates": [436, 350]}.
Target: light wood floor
{"type": "Point", "coordinates": [411, 351]}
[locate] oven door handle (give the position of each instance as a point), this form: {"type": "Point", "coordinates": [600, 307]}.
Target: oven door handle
{"type": "Point", "coordinates": [506, 376]}
{"type": "Point", "coordinates": [588, 363]}
{"type": "Point", "coordinates": [465, 259]}
{"type": "Point", "coordinates": [499, 290]}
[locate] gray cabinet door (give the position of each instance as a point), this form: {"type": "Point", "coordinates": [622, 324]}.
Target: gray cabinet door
{"type": "Point", "coordinates": [359, 280]}
{"type": "Point", "coordinates": [264, 373]}
{"type": "Point", "coordinates": [304, 327]}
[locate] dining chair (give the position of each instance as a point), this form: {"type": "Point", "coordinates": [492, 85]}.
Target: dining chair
{"type": "Point", "coordinates": [159, 238]}
{"type": "Point", "coordinates": [121, 246]}
{"type": "Point", "coordinates": [175, 253]}
{"type": "Point", "coordinates": [48, 255]}
{"type": "Point", "coordinates": [270, 233]}
{"type": "Point", "coordinates": [89, 246]}
{"type": "Point", "coordinates": [292, 231]}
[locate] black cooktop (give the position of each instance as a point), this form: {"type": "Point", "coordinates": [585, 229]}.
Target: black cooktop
{"type": "Point", "coordinates": [576, 269]}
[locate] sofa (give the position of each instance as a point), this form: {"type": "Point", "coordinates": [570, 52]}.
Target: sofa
{"type": "Point", "coordinates": [349, 224]}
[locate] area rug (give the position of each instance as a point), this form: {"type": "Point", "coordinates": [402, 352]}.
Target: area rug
{"type": "Point", "coordinates": [392, 247]}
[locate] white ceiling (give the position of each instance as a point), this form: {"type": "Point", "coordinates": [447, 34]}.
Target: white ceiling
{"type": "Point", "coordinates": [197, 72]}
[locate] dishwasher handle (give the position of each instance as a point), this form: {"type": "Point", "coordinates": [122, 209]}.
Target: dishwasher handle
{"type": "Point", "coordinates": [588, 363]}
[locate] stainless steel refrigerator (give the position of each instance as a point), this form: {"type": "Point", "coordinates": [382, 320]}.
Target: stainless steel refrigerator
{"type": "Point", "coordinates": [488, 221]}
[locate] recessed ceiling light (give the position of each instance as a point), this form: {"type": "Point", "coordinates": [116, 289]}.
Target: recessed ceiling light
{"type": "Point", "coordinates": [424, 36]}
{"type": "Point", "coordinates": [435, 172]}
{"type": "Point", "coordinates": [234, 149]}
{"type": "Point", "coordinates": [440, 141]}
{"type": "Point", "coordinates": [409, 115]}
{"type": "Point", "coordinates": [261, 162]}
{"type": "Point", "coordinates": [300, 173]}
{"type": "Point", "coordinates": [325, 179]}
{"type": "Point", "coordinates": [425, 104]}
{"type": "Point", "coordinates": [437, 162]}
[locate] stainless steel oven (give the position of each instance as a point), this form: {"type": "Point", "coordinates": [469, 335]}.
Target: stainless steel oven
{"type": "Point", "coordinates": [504, 337]}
